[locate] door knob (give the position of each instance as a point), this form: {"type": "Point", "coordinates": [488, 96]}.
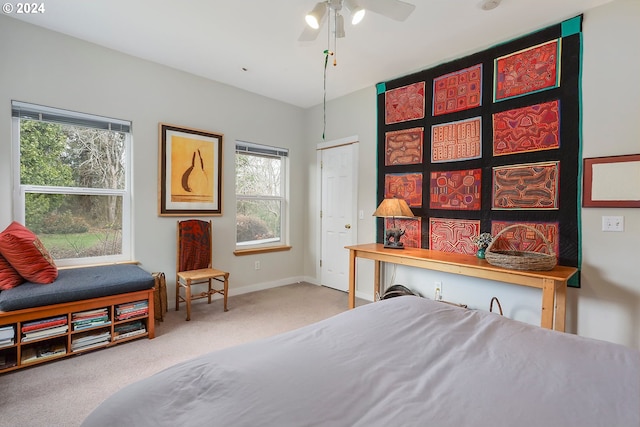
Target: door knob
{"type": "Point", "coordinates": [347, 226]}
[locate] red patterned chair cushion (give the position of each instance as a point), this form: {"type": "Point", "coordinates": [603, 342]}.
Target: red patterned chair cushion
{"type": "Point", "coordinates": [195, 241]}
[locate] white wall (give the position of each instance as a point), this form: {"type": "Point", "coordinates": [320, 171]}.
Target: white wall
{"type": "Point", "coordinates": [48, 68]}
{"type": "Point", "coordinates": [607, 306]}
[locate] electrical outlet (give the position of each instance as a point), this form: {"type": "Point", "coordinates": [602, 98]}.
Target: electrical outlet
{"type": "Point", "coordinates": [437, 292]}
{"type": "Point", "coordinates": [257, 265]}
{"type": "Point", "coordinates": [612, 223]}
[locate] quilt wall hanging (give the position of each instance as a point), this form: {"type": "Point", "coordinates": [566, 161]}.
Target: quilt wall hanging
{"type": "Point", "coordinates": [485, 141]}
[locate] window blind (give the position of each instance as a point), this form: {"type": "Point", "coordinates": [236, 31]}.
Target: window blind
{"type": "Point", "coordinates": [265, 150]}
{"type": "Point", "coordinates": [27, 111]}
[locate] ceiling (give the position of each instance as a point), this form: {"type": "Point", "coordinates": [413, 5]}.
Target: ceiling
{"type": "Point", "coordinates": [253, 44]}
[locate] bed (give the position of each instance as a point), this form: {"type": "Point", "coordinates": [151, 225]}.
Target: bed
{"type": "Point", "coordinates": [404, 361]}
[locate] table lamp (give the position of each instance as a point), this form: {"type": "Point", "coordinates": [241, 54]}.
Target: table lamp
{"type": "Point", "coordinates": [392, 208]}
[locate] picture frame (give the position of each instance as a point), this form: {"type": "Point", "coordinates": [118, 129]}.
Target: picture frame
{"type": "Point", "coordinates": [190, 172]}
{"type": "Point", "coordinates": [510, 79]}
{"type": "Point", "coordinates": [612, 181]}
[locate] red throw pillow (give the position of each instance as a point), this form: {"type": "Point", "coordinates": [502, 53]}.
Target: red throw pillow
{"type": "Point", "coordinates": [9, 277]}
{"type": "Point", "coordinates": [27, 255]}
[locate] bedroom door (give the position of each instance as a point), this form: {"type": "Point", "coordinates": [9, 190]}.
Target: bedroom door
{"type": "Point", "coordinates": [338, 166]}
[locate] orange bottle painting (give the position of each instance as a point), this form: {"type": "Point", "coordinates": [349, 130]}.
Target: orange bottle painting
{"type": "Point", "coordinates": [192, 172]}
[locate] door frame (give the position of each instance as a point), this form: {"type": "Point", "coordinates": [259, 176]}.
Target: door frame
{"type": "Point", "coordinates": [349, 140]}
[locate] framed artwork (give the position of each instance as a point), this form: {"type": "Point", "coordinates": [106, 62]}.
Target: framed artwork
{"type": "Point", "coordinates": [407, 186]}
{"type": "Point", "coordinates": [412, 230]}
{"type": "Point", "coordinates": [457, 91]}
{"type": "Point", "coordinates": [453, 235]}
{"type": "Point", "coordinates": [404, 103]}
{"type": "Point", "coordinates": [455, 141]}
{"type": "Point", "coordinates": [532, 128]}
{"type": "Point", "coordinates": [456, 190]}
{"type": "Point", "coordinates": [403, 147]}
{"type": "Point", "coordinates": [526, 186]}
{"type": "Point", "coordinates": [529, 70]}
{"type": "Point", "coordinates": [190, 172]}
{"type": "Point", "coordinates": [612, 181]}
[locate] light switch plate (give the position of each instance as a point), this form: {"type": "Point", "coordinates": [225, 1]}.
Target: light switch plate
{"type": "Point", "coordinates": [612, 223]}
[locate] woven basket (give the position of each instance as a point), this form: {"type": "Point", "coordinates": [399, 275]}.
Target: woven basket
{"type": "Point", "coordinates": [521, 260]}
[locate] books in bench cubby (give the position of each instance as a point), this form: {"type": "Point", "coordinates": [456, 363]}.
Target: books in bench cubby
{"type": "Point", "coordinates": [128, 330]}
{"type": "Point", "coordinates": [7, 336]}
{"type": "Point", "coordinates": [44, 333]}
{"type": "Point", "coordinates": [48, 322]}
{"type": "Point", "coordinates": [44, 328]}
{"type": "Point", "coordinates": [130, 310]}
{"type": "Point", "coordinates": [42, 351]}
{"type": "Point", "coordinates": [90, 319]}
{"type": "Point", "coordinates": [90, 340]}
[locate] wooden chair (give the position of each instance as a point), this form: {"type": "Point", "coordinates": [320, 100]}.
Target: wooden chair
{"type": "Point", "coordinates": [193, 263]}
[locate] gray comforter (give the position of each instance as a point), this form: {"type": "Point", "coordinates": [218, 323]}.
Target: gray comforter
{"type": "Point", "coordinates": [404, 361]}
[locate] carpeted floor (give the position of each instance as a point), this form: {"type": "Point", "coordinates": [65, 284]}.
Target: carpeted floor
{"type": "Point", "coordinates": [63, 392]}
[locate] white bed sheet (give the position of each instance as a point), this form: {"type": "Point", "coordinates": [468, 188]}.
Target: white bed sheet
{"type": "Point", "coordinates": [405, 361]}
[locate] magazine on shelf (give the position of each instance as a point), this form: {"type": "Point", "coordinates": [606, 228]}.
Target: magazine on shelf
{"type": "Point", "coordinates": [7, 332]}
{"type": "Point", "coordinates": [128, 327]}
{"type": "Point", "coordinates": [138, 308]}
{"type": "Point", "coordinates": [7, 342]}
{"type": "Point", "coordinates": [131, 314]}
{"type": "Point", "coordinates": [91, 337]}
{"type": "Point", "coordinates": [90, 322]}
{"type": "Point", "coordinates": [43, 323]}
{"type": "Point", "coordinates": [128, 330]}
{"type": "Point", "coordinates": [89, 313]}
{"type": "Point", "coordinates": [90, 346]}
{"type": "Point", "coordinates": [91, 340]}
{"type": "Point", "coordinates": [45, 333]}
{"type": "Point", "coordinates": [130, 334]}
{"type": "Point", "coordinates": [91, 325]}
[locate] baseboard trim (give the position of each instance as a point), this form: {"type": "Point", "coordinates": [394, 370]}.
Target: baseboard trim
{"type": "Point", "coordinates": [265, 285]}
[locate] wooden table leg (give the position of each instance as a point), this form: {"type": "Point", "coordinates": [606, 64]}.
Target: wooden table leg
{"type": "Point", "coordinates": [376, 280]}
{"type": "Point", "coordinates": [561, 306]}
{"type": "Point", "coordinates": [352, 279]}
{"type": "Point", "coordinates": [548, 303]}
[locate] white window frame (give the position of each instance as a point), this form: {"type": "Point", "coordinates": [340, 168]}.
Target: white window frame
{"type": "Point", "coordinates": [56, 115]}
{"type": "Point", "coordinates": [248, 148]}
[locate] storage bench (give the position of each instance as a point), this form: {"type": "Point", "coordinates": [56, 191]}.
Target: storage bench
{"type": "Point", "coordinates": [83, 309]}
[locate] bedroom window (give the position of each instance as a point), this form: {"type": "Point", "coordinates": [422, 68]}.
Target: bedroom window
{"type": "Point", "coordinates": [261, 196]}
{"type": "Point", "coordinates": [73, 182]}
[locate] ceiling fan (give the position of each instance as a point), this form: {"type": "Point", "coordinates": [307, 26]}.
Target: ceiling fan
{"type": "Point", "coordinates": [394, 9]}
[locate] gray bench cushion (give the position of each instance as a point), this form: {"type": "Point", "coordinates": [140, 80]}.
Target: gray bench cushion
{"type": "Point", "coordinates": [78, 284]}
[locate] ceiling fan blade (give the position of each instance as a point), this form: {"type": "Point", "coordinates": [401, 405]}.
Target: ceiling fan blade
{"type": "Point", "coordinates": [309, 34]}
{"type": "Point", "coordinates": [394, 9]}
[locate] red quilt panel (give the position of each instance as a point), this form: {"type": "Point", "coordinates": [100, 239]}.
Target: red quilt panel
{"type": "Point", "coordinates": [459, 190]}
{"type": "Point", "coordinates": [532, 128]}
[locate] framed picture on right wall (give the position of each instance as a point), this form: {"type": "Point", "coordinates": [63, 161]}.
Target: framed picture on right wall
{"type": "Point", "coordinates": [612, 182]}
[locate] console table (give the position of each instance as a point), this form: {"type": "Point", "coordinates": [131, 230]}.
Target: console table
{"type": "Point", "coordinates": [553, 282]}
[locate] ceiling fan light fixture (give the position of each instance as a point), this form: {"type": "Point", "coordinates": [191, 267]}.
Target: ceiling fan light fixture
{"type": "Point", "coordinates": [314, 18]}
{"type": "Point", "coordinates": [357, 11]}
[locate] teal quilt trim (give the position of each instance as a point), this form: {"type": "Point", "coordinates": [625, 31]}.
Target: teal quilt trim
{"type": "Point", "coordinates": [571, 26]}
{"type": "Point", "coordinates": [575, 280]}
